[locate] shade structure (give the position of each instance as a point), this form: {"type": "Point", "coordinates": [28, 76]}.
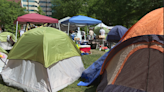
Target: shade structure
{"type": "Point", "coordinates": [84, 20]}
{"type": "Point", "coordinates": [103, 25]}
{"type": "Point", "coordinates": [64, 27]}
{"type": "Point", "coordinates": [116, 33]}
{"type": "Point", "coordinates": [44, 59]}
{"type": "Point", "coordinates": [35, 18]}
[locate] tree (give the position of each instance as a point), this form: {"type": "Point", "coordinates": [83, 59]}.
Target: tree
{"type": "Point", "coordinates": [64, 8]}
{"type": "Point", "coordinates": [10, 10]}
{"type": "Point", "coordinates": [124, 12]}
{"type": "Point", "coordinates": [40, 11]}
{"type": "Point", "coordinates": [111, 12]}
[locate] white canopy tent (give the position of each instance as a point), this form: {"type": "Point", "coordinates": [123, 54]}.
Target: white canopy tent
{"type": "Point", "coordinates": [64, 27]}
{"type": "Point", "coordinates": [103, 25]}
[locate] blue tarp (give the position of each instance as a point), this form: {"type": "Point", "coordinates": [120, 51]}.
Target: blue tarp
{"type": "Point", "coordinates": [93, 71]}
{"type": "Point", "coordinates": [83, 20]}
{"type": "Point", "coordinates": [116, 33]}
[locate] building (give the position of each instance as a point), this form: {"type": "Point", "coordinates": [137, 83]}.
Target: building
{"type": "Point", "coordinates": [30, 5]}
{"type": "Point", "coordinates": [46, 6]}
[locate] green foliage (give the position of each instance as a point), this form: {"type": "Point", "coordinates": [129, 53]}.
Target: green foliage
{"type": "Point", "coordinates": [111, 12]}
{"type": "Point", "coordinates": [40, 11]}
{"type": "Point", "coordinates": [64, 8]}
{"type": "Point", "coordinates": [124, 12]}
{"type": "Point", "coordinates": [10, 10]}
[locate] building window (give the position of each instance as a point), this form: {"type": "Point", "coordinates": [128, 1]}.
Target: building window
{"type": "Point", "coordinates": [29, 10]}
{"type": "Point", "coordinates": [44, 2]}
{"type": "Point", "coordinates": [29, 1]}
{"type": "Point", "coordinates": [45, 6]}
{"type": "Point", "coordinates": [47, 10]}
{"type": "Point", "coordinates": [29, 5]}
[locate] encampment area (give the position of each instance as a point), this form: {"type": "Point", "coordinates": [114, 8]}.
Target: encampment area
{"type": "Point", "coordinates": [82, 51]}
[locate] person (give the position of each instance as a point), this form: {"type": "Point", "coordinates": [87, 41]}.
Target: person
{"type": "Point", "coordinates": [22, 31]}
{"type": "Point", "coordinates": [73, 34]}
{"type": "Point", "coordinates": [102, 32]}
{"type": "Point", "coordinates": [91, 34]}
{"type": "Point", "coordinates": [102, 35]}
{"type": "Point", "coordinates": [83, 35]}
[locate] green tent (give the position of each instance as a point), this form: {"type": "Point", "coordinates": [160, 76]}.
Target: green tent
{"type": "Point", "coordinates": [46, 45]}
{"type": "Point", "coordinates": [3, 36]}
{"type": "Point", "coordinates": [97, 30]}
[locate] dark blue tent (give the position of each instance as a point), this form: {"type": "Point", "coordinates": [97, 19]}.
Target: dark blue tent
{"type": "Point", "coordinates": [83, 20]}
{"type": "Point", "coordinates": [116, 33]}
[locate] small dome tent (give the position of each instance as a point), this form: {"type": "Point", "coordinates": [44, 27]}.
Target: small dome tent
{"type": "Point", "coordinates": [43, 60]}
{"type": "Point", "coordinates": [7, 39]}
{"type": "Point", "coordinates": [116, 33]}
{"type": "Point", "coordinates": [136, 64]}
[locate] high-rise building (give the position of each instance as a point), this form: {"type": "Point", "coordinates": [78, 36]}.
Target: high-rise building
{"type": "Point", "coordinates": [31, 5]}
{"type": "Point", "coordinates": [46, 6]}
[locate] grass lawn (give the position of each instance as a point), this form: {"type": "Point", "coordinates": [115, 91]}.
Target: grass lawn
{"type": "Point", "coordinates": [87, 60]}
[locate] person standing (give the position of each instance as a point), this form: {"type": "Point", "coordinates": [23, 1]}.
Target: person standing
{"type": "Point", "coordinates": [21, 31]}
{"type": "Point", "coordinates": [91, 34]}
{"type": "Point", "coordinates": [102, 35]}
{"type": "Point", "coordinates": [102, 32]}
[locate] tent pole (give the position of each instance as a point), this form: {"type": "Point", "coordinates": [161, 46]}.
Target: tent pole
{"type": "Point", "coordinates": [59, 26]}
{"type": "Point", "coordinates": [16, 31]}
{"type": "Point", "coordinates": [25, 27]}
{"type": "Point", "coordinates": [85, 37]}
{"type": "Point", "coordinates": [87, 31]}
{"type": "Point", "coordinates": [68, 28]}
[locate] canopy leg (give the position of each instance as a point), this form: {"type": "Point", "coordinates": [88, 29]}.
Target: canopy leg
{"type": "Point", "coordinates": [68, 28]}
{"type": "Point", "coordinates": [16, 31]}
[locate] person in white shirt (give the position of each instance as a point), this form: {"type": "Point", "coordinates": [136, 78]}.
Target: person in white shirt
{"type": "Point", "coordinates": [22, 32]}
{"type": "Point", "coordinates": [91, 34]}
{"type": "Point", "coordinates": [102, 32]}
